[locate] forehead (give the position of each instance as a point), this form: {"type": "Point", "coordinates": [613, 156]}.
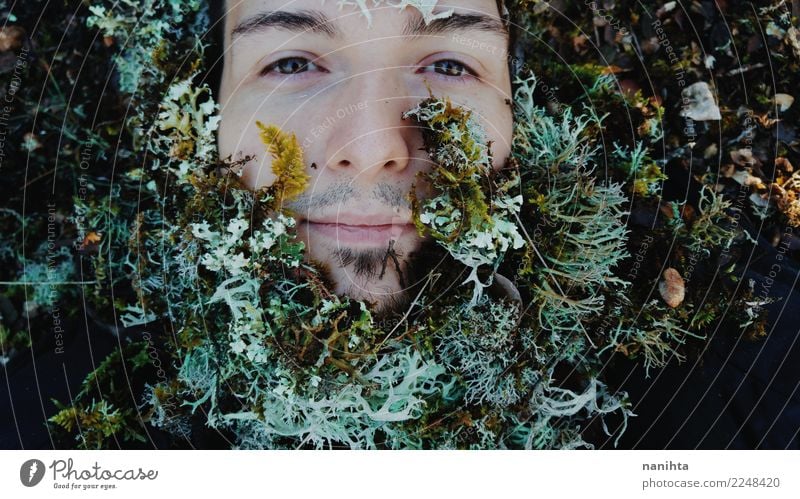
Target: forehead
{"type": "Point", "coordinates": [329, 16]}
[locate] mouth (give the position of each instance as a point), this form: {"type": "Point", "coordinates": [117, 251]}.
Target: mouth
{"type": "Point", "coordinates": [360, 234]}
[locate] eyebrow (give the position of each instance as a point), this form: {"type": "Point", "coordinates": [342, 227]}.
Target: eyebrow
{"type": "Point", "coordinates": [455, 22]}
{"type": "Point", "coordinates": [301, 20]}
{"type": "Point", "coordinates": [316, 21]}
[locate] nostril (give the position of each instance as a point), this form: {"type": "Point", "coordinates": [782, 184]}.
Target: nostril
{"type": "Point", "coordinates": [344, 162]}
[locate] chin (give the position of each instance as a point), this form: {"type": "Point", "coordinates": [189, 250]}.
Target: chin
{"type": "Point", "coordinates": [385, 296]}
{"type": "Point", "coordinates": [385, 280]}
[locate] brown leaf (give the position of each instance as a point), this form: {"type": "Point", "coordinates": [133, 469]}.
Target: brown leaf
{"type": "Point", "coordinates": [91, 240]}
{"type": "Point", "coordinates": [11, 38]}
{"type": "Point", "coordinates": [672, 288]}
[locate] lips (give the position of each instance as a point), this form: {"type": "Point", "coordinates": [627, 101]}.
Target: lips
{"type": "Point", "coordinates": [371, 230]}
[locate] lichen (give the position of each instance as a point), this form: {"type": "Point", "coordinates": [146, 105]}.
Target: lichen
{"type": "Point", "coordinates": [253, 342]}
{"type": "Point", "coordinates": [425, 8]}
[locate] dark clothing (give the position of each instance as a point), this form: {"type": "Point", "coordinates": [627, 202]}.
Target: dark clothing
{"type": "Point", "coordinates": [30, 384]}
{"type": "Point", "coordinates": [32, 380]}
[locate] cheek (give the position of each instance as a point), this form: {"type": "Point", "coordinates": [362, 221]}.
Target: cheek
{"type": "Point", "coordinates": [237, 142]}
{"type": "Point", "coordinates": [500, 132]}
{"type": "Point", "coordinates": [238, 136]}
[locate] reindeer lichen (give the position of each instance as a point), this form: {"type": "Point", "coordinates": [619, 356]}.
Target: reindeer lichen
{"type": "Point", "coordinates": [505, 344]}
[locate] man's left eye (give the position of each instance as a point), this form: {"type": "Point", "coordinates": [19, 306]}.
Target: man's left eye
{"type": "Point", "coordinates": [289, 66]}
{"type": "Point", "coordinates": [451, 68]}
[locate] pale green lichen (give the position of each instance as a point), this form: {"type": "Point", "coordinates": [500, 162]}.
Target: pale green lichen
{"type": "Point", "coordinates": [425, 7]}
{"type": "Point", "coordinates": [264, 350]}
{"type": "Point", "coordinates": [475, 227]}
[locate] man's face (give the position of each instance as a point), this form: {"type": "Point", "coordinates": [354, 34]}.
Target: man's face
{"type": "Point", "coordinates": [341, 87]}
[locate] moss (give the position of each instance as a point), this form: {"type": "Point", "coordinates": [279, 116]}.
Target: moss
{"type": "Point", "coordinates": [287, 163]}
{"type": "Point", "coordinates": [254, 340]}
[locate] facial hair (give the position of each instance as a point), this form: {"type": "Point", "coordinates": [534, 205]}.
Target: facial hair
{"type": "Point", "coordinates": [373, 264]}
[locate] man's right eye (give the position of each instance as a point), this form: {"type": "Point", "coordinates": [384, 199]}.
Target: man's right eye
{"type": "Point", "coordinates": [289, 66]}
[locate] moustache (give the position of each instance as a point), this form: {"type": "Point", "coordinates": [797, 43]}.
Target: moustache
{"type": "Point", "coordinates": [345, 192]}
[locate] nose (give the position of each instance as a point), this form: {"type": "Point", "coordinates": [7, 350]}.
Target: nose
{"type": "Point", "coordinates": [371, 139]}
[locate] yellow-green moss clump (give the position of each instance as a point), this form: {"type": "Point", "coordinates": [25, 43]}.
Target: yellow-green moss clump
{"type": "Point", "coordinates": [287, 162]}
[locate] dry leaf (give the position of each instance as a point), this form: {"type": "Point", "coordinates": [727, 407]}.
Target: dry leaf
{"type": "Point", "coordinates": [672, 288]}
{"type": "Point", "coordinates": [11, 38]}
{"type": "Point", "coordinates": [700, 104]}
{"type": "Point", "coordinates": [91, 239]}
{"type": "Point", "coordinates": [784, 101]}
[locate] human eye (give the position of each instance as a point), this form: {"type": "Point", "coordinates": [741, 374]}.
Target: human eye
{"type": "Point", "coordinates": [452, 69]}
{"type": "Point", "coordinates": [288, 66]}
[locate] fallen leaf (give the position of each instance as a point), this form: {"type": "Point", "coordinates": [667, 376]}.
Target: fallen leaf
{"type": "Point", "coordinates": [11, 38]}
{"type": "Point", "coordinates": [744, 157]}
{"type": "Point", "coordinates": [91, 239]}
{"type": "Point", "coordinates": [672, 288]}
{"type": "Point", "coordinates": [699, 103]}
{"type": "Point", "coordinates": [784, 165]}
{"type": "Point", "coordinates": [784, 101]}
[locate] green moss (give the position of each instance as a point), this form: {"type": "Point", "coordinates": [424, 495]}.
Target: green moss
{"type": "Point", "coordinates": [287, 164]}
